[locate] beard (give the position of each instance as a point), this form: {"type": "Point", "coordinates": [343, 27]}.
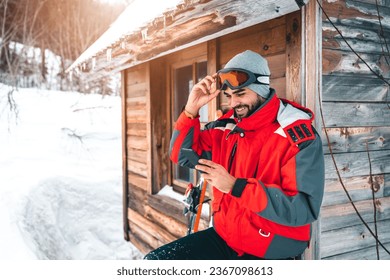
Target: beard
{"type": "Point", "coordinates": [250, 109]}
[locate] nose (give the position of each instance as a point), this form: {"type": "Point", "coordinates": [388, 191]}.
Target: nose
{"type": "Point", "coordinates": [234, 101]}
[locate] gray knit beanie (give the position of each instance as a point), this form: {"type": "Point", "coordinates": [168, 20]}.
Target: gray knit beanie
{"type": "Point", "coordinates": [255, 63]}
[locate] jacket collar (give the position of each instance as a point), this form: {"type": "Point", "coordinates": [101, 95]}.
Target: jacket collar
{"type": "Point", "coordinates": [263, 116]}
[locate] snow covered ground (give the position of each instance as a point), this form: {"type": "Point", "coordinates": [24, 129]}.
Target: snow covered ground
{"type": "Point", "coordinates": [60, 177]}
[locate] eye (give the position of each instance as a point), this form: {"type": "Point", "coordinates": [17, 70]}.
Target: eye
{"type": "Point", "coordinates": [227, 95]}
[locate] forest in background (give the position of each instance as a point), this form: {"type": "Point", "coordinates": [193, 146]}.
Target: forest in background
{"type": "Point", "coordinates": [39, 40]}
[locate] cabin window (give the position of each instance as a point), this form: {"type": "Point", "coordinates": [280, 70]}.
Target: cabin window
{"type": "Point", "coordinates": [183, 81]}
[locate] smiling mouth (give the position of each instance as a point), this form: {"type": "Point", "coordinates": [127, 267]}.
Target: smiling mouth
{"type": "Point", "coordinates": [240, 109]}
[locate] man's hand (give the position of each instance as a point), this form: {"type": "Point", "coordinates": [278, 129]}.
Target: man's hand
{"type": "Point", "coordinates": [201, 94]}
{"type": "Point", "coordinates": [216, 175]}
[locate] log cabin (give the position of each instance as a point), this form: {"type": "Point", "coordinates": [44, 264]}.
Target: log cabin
{"type": "Point", "coordinates": [331, 56]}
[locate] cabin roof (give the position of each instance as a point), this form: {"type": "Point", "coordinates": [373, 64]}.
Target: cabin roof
{"type": "Point", "coordinates": [146, 30]}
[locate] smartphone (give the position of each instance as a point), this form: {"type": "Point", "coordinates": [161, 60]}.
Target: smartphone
{"type": "Point", "coordinates": [191, 155]}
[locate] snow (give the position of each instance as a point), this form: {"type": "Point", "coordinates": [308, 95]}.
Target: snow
{"type": "Point", "coordinates": [61, 177]}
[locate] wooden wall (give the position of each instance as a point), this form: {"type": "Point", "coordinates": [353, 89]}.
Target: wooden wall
{"type": "Point", "coordinates": [137, 108]}
{"type": "Point", "coordinates": [278, 40]}
{"type": "Point", "coordinates": [357, 120]}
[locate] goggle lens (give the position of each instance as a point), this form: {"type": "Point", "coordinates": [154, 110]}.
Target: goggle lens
{"type": "Point", "coordinates": [235, 78]}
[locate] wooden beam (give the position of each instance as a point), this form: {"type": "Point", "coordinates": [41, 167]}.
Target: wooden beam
{"type": "Point", "coordinates": [125, 192]}
{"type": "Point", "coordinates": [311, 41]}
{"type": "Point", "coordinates": [294, 57]}
{"type": "Point", "coordinates": [148, 130]}
{"type": "Point", "coordinates": [212, 67]}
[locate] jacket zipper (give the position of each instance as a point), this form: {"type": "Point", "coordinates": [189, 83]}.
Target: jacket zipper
{"type": "Point", "coordinates": [232, 156]}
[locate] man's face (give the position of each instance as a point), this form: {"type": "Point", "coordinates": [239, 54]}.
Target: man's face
{"type": "Point", "coordinates": [244, 101]}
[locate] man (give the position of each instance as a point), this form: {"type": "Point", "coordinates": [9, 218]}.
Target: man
{"type": "Point", "coordinates": [264, 161]}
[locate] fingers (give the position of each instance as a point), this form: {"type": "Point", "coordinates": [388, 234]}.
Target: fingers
{"type": "Point", "coordinates": [207, 166]}
{"type": "Point", "coordinates": [202, 93]}
{"type": "Point", "coordinates": [208, 162]}
{"type": "Point", "coordinates": [206, 84]}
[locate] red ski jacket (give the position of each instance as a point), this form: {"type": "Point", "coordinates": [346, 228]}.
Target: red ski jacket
{"type": "Point", "coordinates": [276, 156]}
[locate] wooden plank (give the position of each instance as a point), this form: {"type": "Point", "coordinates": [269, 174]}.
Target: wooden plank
{"type": "Point", "coordinates": [136, 179]}
{"type": "Point", "coordinates": [137, 196]}
{"type": "Point", "coordinates": [136, 99]}
{"type": "Point", "coordinates": [294, 57]}
{"type": "Point", "coordinates": [137, 90]}
{"type": "Point", "coordinates": [358, 13]}
{"type": "Point", "coordinates": [340, 216]}
{"type": "Point", "coordinates": [136, 75]}
{"type": "Point", "coordinates": [144, 236]}
{"type": "Point", "coordinates": [339, 9]}
{"type": "Point", "coordinates": [346, 62]}
{"type": "Point", "coordinates": [139, 244]}
{"type": "Point", "coordinates": [359, 188]}
{"type": "Point", "coordinates": [339, 114]}
{"type": "Point", "coordinates": [166, 222]}
{"type": "Point", "coordinates": [191, 54]}
{"type": "Point", "coordinates": [272, 41]}
{"type": "Point", "coordinates": [136, 129]}
{"type": "Point", "coordinates": [170, 206]}
{"type": "Point", "coordinates": [349, 239]}
{"type": "Point", "coordinates": [362, 41]}
{"type": "Point", "coordinates": [351, 32]}
{"type": "Point", "coordinates": [138, 155]}
{"type": "Point", "coordinates": [136, 114]}
{"type": "Point", "coordinates": [136, 121]}
{"type": "Point", "coordinates": [279, 85]}
{"type": "Point", "coordinates": [136, 105]}
{"type": "Point", "coordinates": [356, 139]}
{"type": "Point", "coordinates": [356, 88]}
{"type": "Point", "coordinates": [136, 118]}
{"type": "Point", "coordinates": [368, 253]}
{"type": "Point", "coordinates": [259, 38]}
{"type": "Point", "coordinates": [137, 167]}
{"type": "Point", "coordinates": [161, 235]}
{"type": "Point", "coordinates": [136, 142]}
{"type": "Point", "coordinates": [356, 164]}
{"type": "Point", "coordinates": [277, 65]}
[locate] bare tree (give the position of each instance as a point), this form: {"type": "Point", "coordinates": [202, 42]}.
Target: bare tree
{"type": "Point", "coordinates": [66, 27]}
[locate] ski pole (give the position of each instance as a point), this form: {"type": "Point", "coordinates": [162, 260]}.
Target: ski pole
{"type": "Point", "coordinates": [199, 210]}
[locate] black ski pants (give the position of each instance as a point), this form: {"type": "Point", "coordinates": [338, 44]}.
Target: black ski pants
{"type": "Point", "coordinates": [202, 245]}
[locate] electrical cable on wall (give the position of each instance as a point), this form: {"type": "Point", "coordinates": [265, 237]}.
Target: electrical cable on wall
{"type": "Point", "coordinates": [328, 140]}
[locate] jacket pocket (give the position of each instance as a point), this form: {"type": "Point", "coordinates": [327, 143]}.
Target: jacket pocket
{"type": "Point", "coordinates": [255, 238]}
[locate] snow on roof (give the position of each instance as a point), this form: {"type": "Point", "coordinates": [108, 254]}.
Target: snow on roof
{"type": "Point", "coordinates": [134, 17]}
{"type": "Point", "coordinates": [189, 23]}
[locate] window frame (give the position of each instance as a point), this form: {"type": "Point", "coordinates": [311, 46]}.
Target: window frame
{"type": "Point", "coordinates": [179, 184]}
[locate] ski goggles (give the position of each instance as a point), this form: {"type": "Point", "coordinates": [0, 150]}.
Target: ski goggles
{"type": "Point", "coordinates": [236, 78]}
